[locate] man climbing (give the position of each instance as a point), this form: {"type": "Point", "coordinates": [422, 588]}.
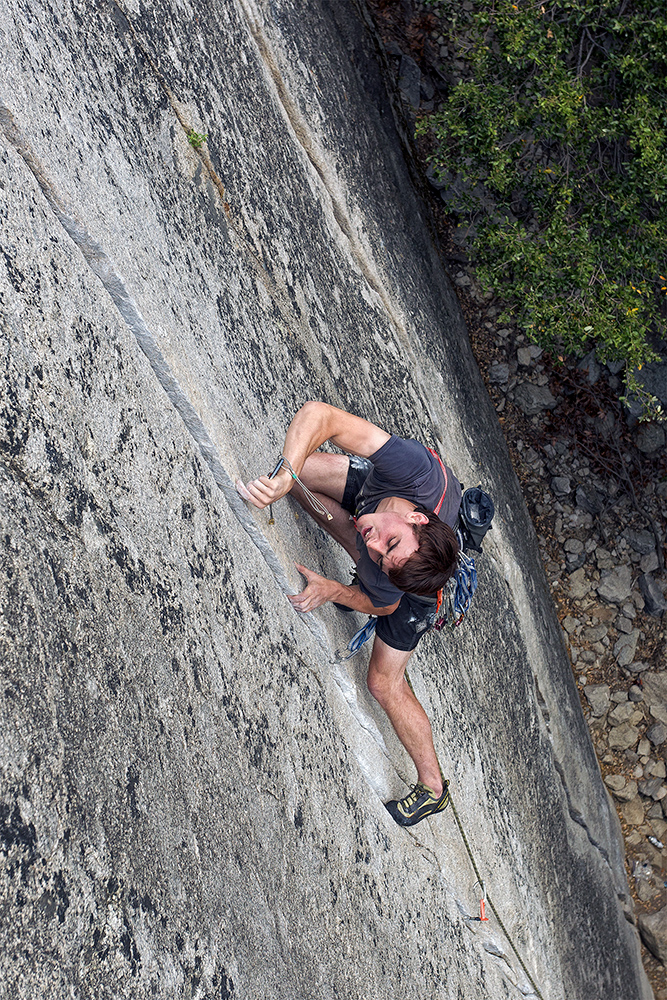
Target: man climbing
{"type": "Point", "coordinates": [380, 505]}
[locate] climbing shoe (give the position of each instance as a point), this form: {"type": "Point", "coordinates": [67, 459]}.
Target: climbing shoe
{"type": "Point", "coordinates": [419, 803]}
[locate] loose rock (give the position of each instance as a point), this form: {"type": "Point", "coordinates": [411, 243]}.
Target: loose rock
{"type": "Point", "coordinates": [633, 811]}
{"type": "Point", "coordinates": [654, 602]}
{"type": "Point", "coordinates": [578, 584]}
{"type": "Point", "coordinates": [598, 698]}
{"type": "Point", "coordinates": [653, 789]}
{"type": "Point", "coordinates": [655, 687]}
{"type": "Point", "coordinates": [627, 791]}
{"type": "Point", "coordinates": [533, 399]}
{"type": "Point", "coordinates": [590, 499]}
{"type": "Point", "coordinates": [641, 541]}
{"type": "Point", "coordinates": [624, 649]}
{"type": "Point", "coordinates": [657, 733]}
{"type": "Point", "coordinates": [625, 736]}
{"type": "Point", "coordinates": [650, 438]}
{"type": "Point", "coordinates": [659, 712]}
{"type": "Point", "coordinates": [595, 633]}
{"type": "Point", "coordinates": [616, 585]}
{"type": "Point", "coordinates": [409, 77]}
{"type": "Point", "coordinates": [561, 486]}
{"type": "Point", "coordinates": [499, 374]}
{"type": "Point", "coordinates": [624, 713]}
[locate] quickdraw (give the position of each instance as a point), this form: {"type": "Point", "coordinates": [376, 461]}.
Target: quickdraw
{"type": "Point", "coordinates": [456, 596]}
{"type": "Point", "coordinates": [312, 499]}
{"type": "Point", "coordinates": [358, 640]}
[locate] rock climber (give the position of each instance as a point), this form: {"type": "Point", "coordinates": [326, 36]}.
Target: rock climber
{"type": "Point", "coordinates": [380, 502]}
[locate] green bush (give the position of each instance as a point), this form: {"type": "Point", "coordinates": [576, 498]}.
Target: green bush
{"type": "Point", "coordinates": [555, 140]}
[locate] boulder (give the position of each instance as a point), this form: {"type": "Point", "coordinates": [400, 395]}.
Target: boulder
{"type": "Point", "coordinates": [653, 929]}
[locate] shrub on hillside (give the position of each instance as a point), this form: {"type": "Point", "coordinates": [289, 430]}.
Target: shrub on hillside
{"type": "Point", "coordinates": [555, 143]}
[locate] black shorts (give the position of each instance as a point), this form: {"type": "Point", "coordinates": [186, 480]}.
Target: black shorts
{"type": "Point", "coordinates": [359, 470]}
{"type": "Point", "coordinates": [414, 615]}
{"type": "Point", "coordinates": [405, 626]}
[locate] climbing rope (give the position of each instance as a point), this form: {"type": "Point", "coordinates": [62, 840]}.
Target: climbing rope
{"type": "Point", "coordinates": [476, 870]}
{"type": "Point", "coordinates": [490, 902]}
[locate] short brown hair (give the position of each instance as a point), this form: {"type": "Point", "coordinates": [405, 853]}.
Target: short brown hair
{"type": "Point", "coordinates": [431, 566]}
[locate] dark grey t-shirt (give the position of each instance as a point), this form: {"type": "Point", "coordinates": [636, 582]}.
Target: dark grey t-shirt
{"type": "Point", "coordinates": [402, 468]}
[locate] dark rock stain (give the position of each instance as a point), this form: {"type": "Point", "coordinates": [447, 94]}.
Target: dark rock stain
{"type": "Point", "coordinates": [14, 832]}
{"type": "Point", "coordinates": [131, 789]}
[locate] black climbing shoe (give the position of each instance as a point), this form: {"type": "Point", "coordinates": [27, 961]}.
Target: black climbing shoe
{"type": "Point", "coordinates": [419, 803]}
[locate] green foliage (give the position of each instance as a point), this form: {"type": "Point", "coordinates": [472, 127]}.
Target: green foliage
{"type": "Point", "coordinates": [196, 139]}
{"type": "Point", "coordinates": [556, 138]}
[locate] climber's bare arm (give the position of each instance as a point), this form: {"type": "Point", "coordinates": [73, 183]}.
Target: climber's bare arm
{"type": "Point", "coordinates": [312, 425]}
{"type": "Point", "coordinates": [319, 590]}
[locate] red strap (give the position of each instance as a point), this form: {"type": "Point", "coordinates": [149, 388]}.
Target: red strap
{"type": "Point", "coordinates": [444, 471]}
{"type": "Point", "coordinates": [437, 511]}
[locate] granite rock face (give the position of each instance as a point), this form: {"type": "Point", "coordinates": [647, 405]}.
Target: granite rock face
{"type": "Point", "coordinates": [191, 797]}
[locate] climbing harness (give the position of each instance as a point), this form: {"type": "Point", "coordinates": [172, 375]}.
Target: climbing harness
{"type": "Point", "coordinates": [312, 499]}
